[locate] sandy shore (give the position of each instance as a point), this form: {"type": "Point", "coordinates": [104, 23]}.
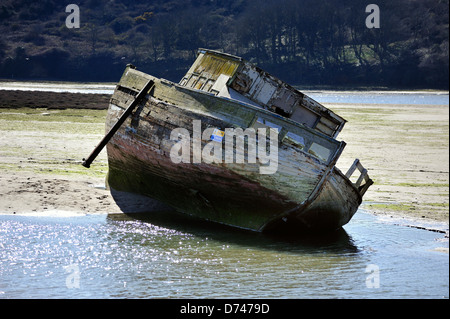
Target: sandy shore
{"type": "Point", "coordinates": [406, 151]}
{"type": "Point", "coordinates": [404, 147]}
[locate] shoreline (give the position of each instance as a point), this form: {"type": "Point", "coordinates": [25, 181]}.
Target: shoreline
{"type": "Point", "coordinates": [56, 195]}
{"type": "Point", "coordinates": [46, 135]}
{"type": "Point", "coordinates": [13, 99]}
{"type": "Point", "coordinates": [303, 88]}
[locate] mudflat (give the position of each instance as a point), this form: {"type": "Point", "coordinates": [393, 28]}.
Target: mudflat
{"type": "Point", "coordinates": [406, 151]}
{"type": "Point", "coordinates": [45, 137]}
{"type": "Point", "coordinates": [52, 100]}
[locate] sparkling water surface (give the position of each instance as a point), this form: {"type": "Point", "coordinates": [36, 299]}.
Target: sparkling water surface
{"type": "Point", "coordinates": [160, 256]}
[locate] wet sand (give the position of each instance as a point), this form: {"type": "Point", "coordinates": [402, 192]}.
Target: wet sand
{"type": "Point", "coordinates": [406, 151]}
{"type": "Point", "coordinates": [52, 100]}
{"type": "Point", "coordinates": [404, 147]}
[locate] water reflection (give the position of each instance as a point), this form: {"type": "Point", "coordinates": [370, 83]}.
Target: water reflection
{"type": "Point", "coordinates": [336, 242]}
{"type": "Point", "coordinates": [135, 207]}
{"type": "Point", "coordinates": [171, 256]}
{"type": "Point", "coordinates": [195, 258]}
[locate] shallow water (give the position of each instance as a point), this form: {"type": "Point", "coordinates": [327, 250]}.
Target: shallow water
{"type": "Point", "coordinates": [380, 97]}
{"type": "Point", "coordinates": [59, 87]}
{"type": "Point", "coordinates": [115, 256]}
{"type": "Point", "coordinates": [323, 96]}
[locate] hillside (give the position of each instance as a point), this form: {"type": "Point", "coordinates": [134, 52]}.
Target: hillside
{"type": "Point", "coordinates": [305, 42]}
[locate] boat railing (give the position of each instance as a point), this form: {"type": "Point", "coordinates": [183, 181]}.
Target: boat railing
{"type": "Point", "coordinates": [363, 177]}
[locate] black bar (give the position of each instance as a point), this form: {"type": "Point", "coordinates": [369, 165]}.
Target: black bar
{"type": "Point", "coordinates": [87, 162]}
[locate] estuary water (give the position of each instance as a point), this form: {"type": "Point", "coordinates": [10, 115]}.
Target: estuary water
{"type": "Point", "coordinates": [60, 87]}
{"type": "Point", "coordinates": [381, 97]}
{"type": "Point", "coordinates": [355, 97]}
{"type": "Point", "coordinates": [158, 256]}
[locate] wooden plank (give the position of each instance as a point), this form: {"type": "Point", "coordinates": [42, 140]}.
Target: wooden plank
{"type": "Point", "coordinates": [352, 168]}
{"type": "Point", "coordinates": [87, 162]}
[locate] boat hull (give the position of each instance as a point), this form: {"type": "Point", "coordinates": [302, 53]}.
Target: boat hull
{"type": "Point", "coordinates": [304, 193]}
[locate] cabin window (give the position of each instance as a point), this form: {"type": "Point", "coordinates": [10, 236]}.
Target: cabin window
{"type": "Point", "coordinates": [320, 152]}
{"type": "Point", "coordinates": [279, 110]}
{"type": "Point", "coordinates": [200, 83]}
{"type": "Point", "coordinates": [327, 127]}
{"type": "Point", "coordinates": [241, 83]}
{"type": "Point", "coordinates": [183, 82]}
{"type": "Point", "coordinates": [284, 101]}
{"type": "Point", "coordinates": [192, 81]}
{"type": "Point", "coordinates": [209, 84]}
{"type": "Point", "coordinates": [306, 117]}
{"type": "Point", "coordinates": [295, 140]}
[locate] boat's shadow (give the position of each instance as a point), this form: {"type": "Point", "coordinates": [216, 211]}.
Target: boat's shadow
{"type": "Point", "coordinates": [136, 208]}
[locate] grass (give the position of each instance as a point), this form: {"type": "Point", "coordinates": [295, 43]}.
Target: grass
{"type": "Point", "coordinates": [64, 112]}
{"type": "Point", "coordinates": [99, 171]}
{"type": "Point", "coordinates": [437, 204]}
{"type": "Point", "coordinates": [403, 206]}
{"type": "Point", "coordinates": [60, 121]}
{"type": "Point", "coordinates": [422, 184]}
{"type": "Point", "coordinates": [397, 207]}
{"type": "Point", "coordinates": [41, 141]}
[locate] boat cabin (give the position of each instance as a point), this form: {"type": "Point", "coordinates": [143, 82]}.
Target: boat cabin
{"type": "Point", "coordinates": [232, 77]}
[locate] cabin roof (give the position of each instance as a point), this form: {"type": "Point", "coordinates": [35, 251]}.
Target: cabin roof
{"type": "Point", "coordinates": [230, 76]}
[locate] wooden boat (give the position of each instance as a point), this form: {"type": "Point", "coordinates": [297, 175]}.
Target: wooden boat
{"type": "Point", "coordinates": [167, 141]}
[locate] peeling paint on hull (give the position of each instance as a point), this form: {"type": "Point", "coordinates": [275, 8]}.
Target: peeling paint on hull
{"type": "Point", "coordinates": [305, 192]}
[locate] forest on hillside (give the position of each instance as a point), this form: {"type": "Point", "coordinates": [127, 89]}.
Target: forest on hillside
{"type": "Point", "coordinates": [305, 42]}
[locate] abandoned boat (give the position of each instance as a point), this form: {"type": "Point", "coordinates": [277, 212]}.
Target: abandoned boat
{"type": "Point", "coordinates": [231, 144]}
